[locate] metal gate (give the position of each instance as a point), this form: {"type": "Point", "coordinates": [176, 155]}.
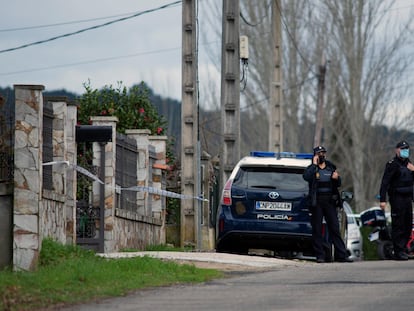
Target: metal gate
{"type": "Point", "coordinates": [6, 181]}
{"type": "Point", "coordinates": [90, 211]}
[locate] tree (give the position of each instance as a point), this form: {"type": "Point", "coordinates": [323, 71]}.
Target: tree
{"type": "Point", "coordinates": [132, 107]}
{"type": "Point", "coordinates": [297, 47]}
{"type": "Point", "coordinates": [366, 63]}
{"type": "Point", "coordinates": [365, 48]}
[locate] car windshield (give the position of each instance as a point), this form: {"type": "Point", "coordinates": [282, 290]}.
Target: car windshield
{"type": "Point", "coordinates": [280, 178]}
{"type": "Point", "coordinates": [349, 214]}
{"type": "Point", "coordinates": [351, 219]}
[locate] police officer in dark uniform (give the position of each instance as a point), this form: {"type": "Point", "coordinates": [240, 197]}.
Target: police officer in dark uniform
{"type": "Point", "coordinates": [324, 181]}
{"type": "Point", "coordinates": [397, 181]}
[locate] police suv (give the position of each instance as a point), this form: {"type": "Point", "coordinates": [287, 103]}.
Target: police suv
{"type": "Point", "coordinates": [264, 205]}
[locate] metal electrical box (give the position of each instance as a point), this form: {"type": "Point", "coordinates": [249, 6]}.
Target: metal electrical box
{"type": "Point", "coordinates": [244, 47]}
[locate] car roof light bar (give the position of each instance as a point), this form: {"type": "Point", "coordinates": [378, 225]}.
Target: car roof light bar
{"type": "Point", "coordinates": [271, 154]}
{"type": "Point", "coordinates": [304, 155]}
{"type": "Point", "coordinates": [264, 154]}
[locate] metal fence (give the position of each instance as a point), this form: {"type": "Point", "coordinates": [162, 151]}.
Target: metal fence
{"type": "Point", "coordinates": [47, 145]}
{"type": "Point", "coordinates": [6, 139]}
{"type": "Point", "coordinates": [126, 171]}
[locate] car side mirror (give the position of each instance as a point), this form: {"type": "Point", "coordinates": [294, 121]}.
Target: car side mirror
{"type": "Point", "coordinates": [347, 196]}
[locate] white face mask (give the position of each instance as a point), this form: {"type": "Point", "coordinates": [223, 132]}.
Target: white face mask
{"type": "Point", "coordinates": [404, 153]}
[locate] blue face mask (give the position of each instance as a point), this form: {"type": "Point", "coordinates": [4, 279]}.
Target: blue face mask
{"type": "Point", "coordinates": [404, 153]}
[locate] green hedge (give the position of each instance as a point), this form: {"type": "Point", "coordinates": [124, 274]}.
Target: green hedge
{"type": "Point", "coordinates": [369, 248]}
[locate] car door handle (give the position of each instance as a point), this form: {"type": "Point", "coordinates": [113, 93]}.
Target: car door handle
{"type": "Point", "coordinates": [238, 196]}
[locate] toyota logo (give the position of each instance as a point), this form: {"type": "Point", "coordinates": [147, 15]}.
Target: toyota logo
{"type": "Point", "coordinates": [273, 195]}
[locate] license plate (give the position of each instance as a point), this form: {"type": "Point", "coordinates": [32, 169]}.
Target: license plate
{"type": "Point", "coordinates": [273, 206]}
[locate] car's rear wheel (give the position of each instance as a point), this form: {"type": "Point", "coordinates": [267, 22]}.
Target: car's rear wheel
{"type": "Point", "coordinates": [329, 252]}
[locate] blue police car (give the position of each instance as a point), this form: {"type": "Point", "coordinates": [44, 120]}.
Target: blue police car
{"type": "Point", "coordinates": [264, 205]}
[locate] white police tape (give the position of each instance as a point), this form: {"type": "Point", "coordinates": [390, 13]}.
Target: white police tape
{"type": "Point", "coordinates": [161, 192]}
{"type": "Point", "coordinates": [151, 190]}
{"type": "Point", "coordinates": [77, 168]}
{"type": "Point", "coordinates": [85, 172]}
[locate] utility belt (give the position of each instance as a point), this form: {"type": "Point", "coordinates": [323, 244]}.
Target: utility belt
{"type": "Point", "coordinates": [403, 194]}
{"type": "Point", "coordinates": [404, 191]}
{"type": "Point", "coordinates": [329, 197]}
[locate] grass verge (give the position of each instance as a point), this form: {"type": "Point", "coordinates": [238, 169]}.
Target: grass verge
{"type": "Point", "coordinates": [369, 248]}
{"type": "Point", "coordinates": [68, 275]}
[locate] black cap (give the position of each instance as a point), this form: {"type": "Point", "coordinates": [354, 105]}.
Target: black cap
{"type": "Point", "coordinates": [319, 149]}
{"type": "Point", "coordinates": [402, 145]}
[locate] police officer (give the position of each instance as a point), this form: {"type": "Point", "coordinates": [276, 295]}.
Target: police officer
{"type": "Point", "coordinates": [397, 181]}
{"type": "Point", "coordinates": [324, 181]}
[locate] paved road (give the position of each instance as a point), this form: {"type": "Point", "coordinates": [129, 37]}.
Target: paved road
{"type": "Point", "coordinates": [369, 285]}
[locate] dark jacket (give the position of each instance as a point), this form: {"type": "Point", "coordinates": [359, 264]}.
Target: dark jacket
{"type": "Point", "coordinates": [310, 175]}
{"type": "Point", "coordinates": [397, 178]}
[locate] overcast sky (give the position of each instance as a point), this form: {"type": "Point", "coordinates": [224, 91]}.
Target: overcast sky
{"type": "Point", "coordinates": [143, 48]}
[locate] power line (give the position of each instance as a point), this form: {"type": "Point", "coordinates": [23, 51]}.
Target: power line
{"type": "Point", "coordinates": [62, 23]}
{"type": "Point", "coordinates": [99, 60]}
{"type": "Point", "coordinates": [259, 22]}
{"type": "Point", "coordinates": [90, 28]}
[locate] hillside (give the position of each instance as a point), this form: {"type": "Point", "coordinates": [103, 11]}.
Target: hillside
{"type": "Point", "coordinates": [252, 137]}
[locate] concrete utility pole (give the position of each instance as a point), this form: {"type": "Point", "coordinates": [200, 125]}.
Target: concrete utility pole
{"type": "Point", "coordinates": [319, 112]}
{"type": "Point", "coordinates": [189, 125]}
{"type": "Point", "coordinates": [276, 107]}
{"type": "Point", "coordinates": [230, 89]}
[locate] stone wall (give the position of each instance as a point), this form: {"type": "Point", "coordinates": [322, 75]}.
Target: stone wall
{"type": "Point", "coordinates": [57, 209]}
{"type": "Point", "coordinates": [146, 225]}
{"type": "Point", "coordinates": [52, 218]}
{"type": "Point", "coordinates": [136, 231]}
{"type": "Point", "coordinates": [38, 213]}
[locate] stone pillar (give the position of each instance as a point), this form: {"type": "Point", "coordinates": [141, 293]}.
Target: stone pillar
{"type": "Point", "coordinates": [159, 203]}
{"type": "Point", "coordinates": [159, 143]}
{"type": "Point", "coordinates": [141, 136]}
{"type": "Point", "coordinates": [110, 236]}
{"type": "Point", "coordinates": [27, 175]}
{"type": "Point", "coordinates": [59, 142]}
{"type": "Point", "coordinates": [71, 156]}
{"type": "Point", "coordinates": [52, 213]}
{"type": "Point", "coordinates": [64, 149]}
